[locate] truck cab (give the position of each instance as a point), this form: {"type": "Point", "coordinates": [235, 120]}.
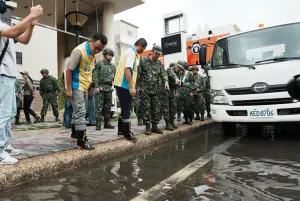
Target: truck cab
{"type": "Point", "coordinates": [249, 72]}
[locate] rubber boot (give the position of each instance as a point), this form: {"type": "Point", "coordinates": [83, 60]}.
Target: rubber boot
{"type": "Point", "coordinates": [186, 120]}
{"type": "Point", "coordinates": [73, 134]}
{"type": "Point", "coordinates": [190, 121]}
{"type": "Point", "coordinates": [179, 117]}
{"type": "Point", "coordinates": [98, 124]}
{"type": "Point", "coordinates": [120, 126]}
{"type": "Point", "coordinates": [208, 115]}
{"type": "Point", "coordinates": [148, 129]}
{"type": "Point", "coordinates": [42, 118]}
{"type": "Point", "coordinates": [140, 122]}
{"type": "Point", "coordinates": [127, 133]}
{"type": "Point", "coordinates": [202, 117]}
{"type": "Point", "coordinates": [172, 122]}
{"type": "Point", "coordinates": [155, 129]}
{"type": "Point", "coordinates": [168, 126]}
{"type": "Point", "coordinates": [108, 125]}
{"type": "Point", "coordinates": [17, 121]}
{"type": "Point", "coordinates": [82, 141]}
{"type": "Point", "coordinates": [197, 116]}
{"type": "Point", "coordinates": [56, 118]}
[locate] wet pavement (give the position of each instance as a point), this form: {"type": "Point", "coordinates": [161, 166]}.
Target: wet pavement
{"type": "Point", "coordinates": [203, 166]}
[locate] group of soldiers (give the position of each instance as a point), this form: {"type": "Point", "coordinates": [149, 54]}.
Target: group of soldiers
{"type": "Point", "coordinates": [165, 93]}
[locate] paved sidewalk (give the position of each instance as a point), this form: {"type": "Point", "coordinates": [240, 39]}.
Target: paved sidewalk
{"type": "Point", "coordinates": [55, 138]}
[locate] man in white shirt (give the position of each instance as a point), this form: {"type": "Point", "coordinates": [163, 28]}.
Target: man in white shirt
{"type": "Point", "coordinates": [20, 33]}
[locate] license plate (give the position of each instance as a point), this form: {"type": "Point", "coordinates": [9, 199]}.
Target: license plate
{"type": "Point", "coordinates": [261, 113]}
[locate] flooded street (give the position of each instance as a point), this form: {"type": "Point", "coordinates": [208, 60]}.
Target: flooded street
{"type": "Point", "coordinates": [204, 166]}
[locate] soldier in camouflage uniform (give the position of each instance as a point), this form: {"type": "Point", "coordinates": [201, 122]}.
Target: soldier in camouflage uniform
{"type": "Point", "coordinates": [206, 94]}
{"type": "Point", "coordinates": [103, 79]}
{"type": "Point", "coordinates": [49, 91]}
{"type": "Point", "coordinates": [198, 87]}
{"type": "Point", "coordinates": [186, 94]}
{"type": "Point", "coordinates": [168, 97]}
{"type": "Point", "coordinates": [18, 92]}
{"type": "Point", "coordinates": [149, 72]}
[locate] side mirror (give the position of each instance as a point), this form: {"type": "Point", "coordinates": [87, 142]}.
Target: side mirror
{"type": "Point", "coordinates": [202, 55]}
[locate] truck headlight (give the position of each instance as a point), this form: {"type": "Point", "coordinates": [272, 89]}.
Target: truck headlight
{"type": "Point", "coordinates": [217, 97]}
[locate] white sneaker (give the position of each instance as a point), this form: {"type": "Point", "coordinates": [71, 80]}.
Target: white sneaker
{"type": "Point", "coordinates": [6, 159]}
{"type": "Point", "coordinates": [12, 151]}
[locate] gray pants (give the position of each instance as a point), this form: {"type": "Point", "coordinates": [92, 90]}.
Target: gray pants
{"type": "Point", "coordinates": [79, 109]}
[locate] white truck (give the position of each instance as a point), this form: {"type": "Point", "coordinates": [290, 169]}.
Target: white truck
{"type": "Point", "coordinates": [248, 76]}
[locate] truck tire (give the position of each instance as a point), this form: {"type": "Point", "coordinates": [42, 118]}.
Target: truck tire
{"type": "Point", "coordinates": [229, 128]}
{"type": "Point", "coordinates": [254, 130]}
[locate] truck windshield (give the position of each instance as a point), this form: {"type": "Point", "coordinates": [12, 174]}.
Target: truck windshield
{"type": "Point", "coordinates": [258, 46]}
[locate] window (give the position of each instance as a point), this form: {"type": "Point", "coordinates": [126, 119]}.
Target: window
{"type": "Point", "coordinates": [129, 33]}
{"type": "Point", "coordinates": [174, 24]}
{"type": "Point", "coordinates": [19, 56]}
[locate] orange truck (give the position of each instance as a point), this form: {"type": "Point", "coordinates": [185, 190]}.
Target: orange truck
{"type": "Point", "coordinates": [193, 48]}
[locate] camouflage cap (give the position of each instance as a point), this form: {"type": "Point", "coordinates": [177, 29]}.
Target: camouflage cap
{"type": "Point", "coordinates": [181, 64]}
{"type": "Point", "coordinates": [44, 71]}
{"type": "Point", "coordinates": [173, 64]}
{"type": "Point", "coordinates": [109, 52]}
{"type": "Point", "coordinates": [195, 68]}
{"type": "Point", "coordinates": [157, 49]}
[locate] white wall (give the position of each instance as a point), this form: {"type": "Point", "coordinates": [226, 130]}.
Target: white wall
{"type": "Point", "coordinates": [40, 53]}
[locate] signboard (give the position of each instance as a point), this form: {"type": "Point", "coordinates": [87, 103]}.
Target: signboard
{"type": "Point", "coordinates": [171, 44]}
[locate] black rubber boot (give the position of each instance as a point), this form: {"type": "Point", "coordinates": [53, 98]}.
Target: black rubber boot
{"type": "Point", "coordinates": [140, 122]}
{"type": "Point", "coordinates": [82, 141]}
{"type": "Point", "coordinates": [108, 125]}
{"type": "Point", "coordinates": [120, 126]}
{"type": "Point", "coordinates": [73, 134]}
{"type": "Point", "coordinates": [202, 117]}
{"type": "Point", "coordinates": [209, 115]}
{"type": "Point", "coordinates": [169, 126]}
{"type": "Point", "coordinates": [155, 129]}
{"type": "Point", "coordinates": [179, 117]}
{"type": "Point", "coordinates": [17, 121]}
{"type": "Point", "coordinates": [98, 124]}
{"type": "Point", "coordinates": [172, 122]}
{"type": "Point", "coordinates": [42, 118]}
{"type": "Point", "coordinates": [127, 133]}
{"type": "Point", "coordinates": [190, 121]}
{"type": "Point", "coordinates": [57, 119]}
{"type": "Point", "coordinates": [197, 116]}
{"type": "Point", "coordinates": [148, 129]}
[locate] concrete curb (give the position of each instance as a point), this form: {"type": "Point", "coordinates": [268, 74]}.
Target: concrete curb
{"type": "Point", "coordinates": [36, 168]}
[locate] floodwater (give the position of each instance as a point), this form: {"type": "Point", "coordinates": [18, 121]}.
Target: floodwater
{"type": "Point", "coordinates": [203, 166]}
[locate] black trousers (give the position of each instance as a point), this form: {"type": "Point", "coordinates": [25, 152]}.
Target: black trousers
{"type": "Point", "coordinates": [125, 102]}
{"type": "Point", "coordinates": [27, 104]}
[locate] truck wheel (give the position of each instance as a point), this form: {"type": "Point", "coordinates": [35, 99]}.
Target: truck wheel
{"type": "Point", "coordinates": [254, 130]}
{"type": "Point", "coordinates": [229, 128]}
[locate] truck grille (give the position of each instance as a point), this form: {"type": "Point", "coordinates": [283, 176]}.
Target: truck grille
{"type": "Point", "coordinates": [262, 102]}
{"type": "Point", "coordinates": [248, 90]}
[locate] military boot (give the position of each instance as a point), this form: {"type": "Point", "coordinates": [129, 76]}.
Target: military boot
{"type": "Point", "coordinates": [17, 121]}
{"type": "Point", "coordinates": [186, 120]}
{"type": "Point", "coordinates": [172, 122]}
{"type": "Point", "coordinates": [42, 118]}
{"type": "Point", "coordinates": [202, 117]}
{"type": "Point", "coordinates": [208, 115]}
{"type": "Point", "coordinates": [108, 125]}
{"type": "Point", "coordinates": [73, 134]}
{"type": "Point", "coordinates": [82, 141]}
{"type": "Point", "coordinates": [148, 129]}
{"type": "Point", "coordinates": [37, 119]}
{"type": "Point", "coordinates": [190, 121]}
{"type": "Point", "coordinates": [197, 116]}
{"type": "Point", "coordinates": [127, 132]}
{"type": "Point", "coordinates": [56, 118]}
{"type": "Point", "coordinates": [155, 129]}
{"type": "Point", "coordinates": [98, 124]}
{"type": "Point", "coordinates": [140, 122]}
{"type": "Point", "coordinates": [169, 126]}
{"type": "Point", "coordinates": [120, 126]}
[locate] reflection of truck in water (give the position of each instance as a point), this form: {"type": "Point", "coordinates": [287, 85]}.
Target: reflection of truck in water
{"type": "Point", "coordinates": [249, 72]}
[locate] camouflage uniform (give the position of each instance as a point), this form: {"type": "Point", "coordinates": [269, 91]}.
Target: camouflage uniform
{"type": "Point", "coordinates": [187, 82]}
{"type": "Point", "coordinates": [48, 89]}
{"type": "Point", "coordinates": [103, 77]}
{"type": "Point", "coordinates": [18, 89]}
{"type": "Point", "coordinates": [148, 78]}
{"type": "Point", "coordinates": [199, 102]}
{"type": "Point", "coordinates": [206, 94]}
{"type": "Point", "coordinates": [168, 98]}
